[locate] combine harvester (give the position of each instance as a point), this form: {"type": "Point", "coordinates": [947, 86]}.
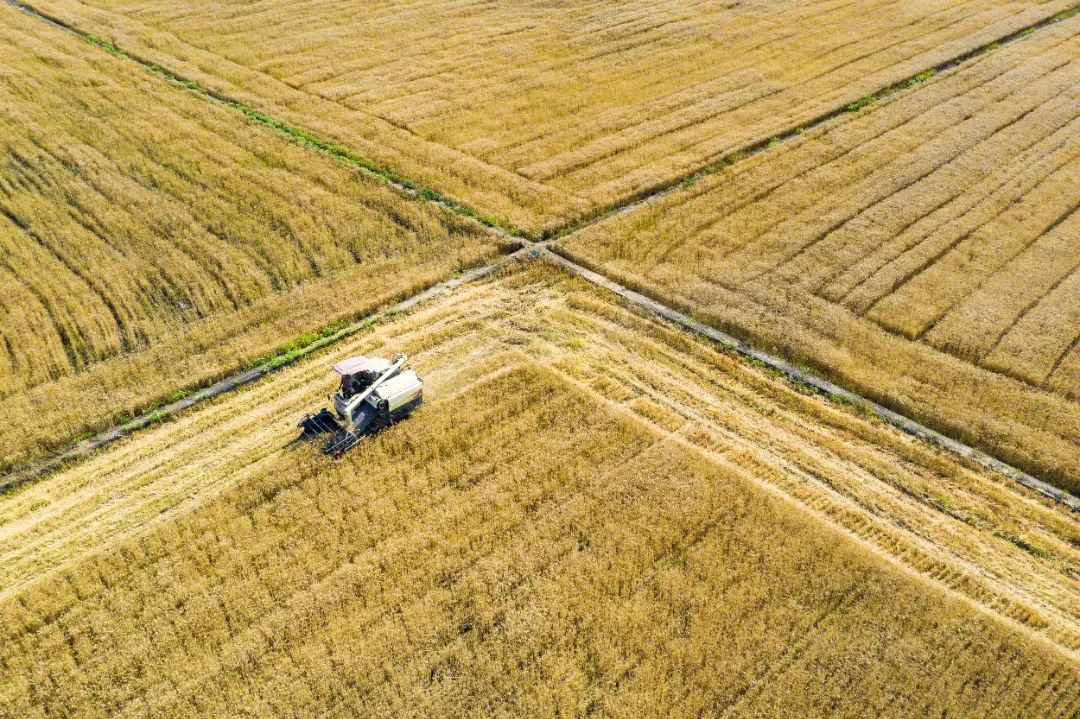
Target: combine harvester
{"type": "Point", "coordinates": [374, 394]}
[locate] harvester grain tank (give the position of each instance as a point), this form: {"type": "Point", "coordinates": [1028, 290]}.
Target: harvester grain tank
{"type": "Point", "coordinates": [373, 394]}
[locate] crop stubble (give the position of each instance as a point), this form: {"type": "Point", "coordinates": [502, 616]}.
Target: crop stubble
{"type": "Point", "coordinates": [151, 241]}
{"type": "Point", "coordinates": [922, 251]}
{"type": "Point", "coordinates": [589, 500]}
{"type": "Point", "coordinates": [591, 510]}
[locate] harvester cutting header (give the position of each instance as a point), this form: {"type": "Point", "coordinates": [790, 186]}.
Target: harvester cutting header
{"type": "Point", "coordinates": [374, 393]}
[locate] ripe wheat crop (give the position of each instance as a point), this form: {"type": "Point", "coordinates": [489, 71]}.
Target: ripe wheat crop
{"type": "Point", "coordinates": [592, 513]}
{"type": "Point", "coordinates": [536, 111]}
{"type": "Point", "coordinates": [150, 240]}
{"type": "Point", "coordinates": [924, 250]}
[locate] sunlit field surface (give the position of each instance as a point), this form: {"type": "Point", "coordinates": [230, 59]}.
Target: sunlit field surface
{"type": "Point", "coordinates": [150, 240]}
{"type": "Point", "coordinates": [591, 513]}
{"type": "Point", "coordinates": [535, 112]}
{"type": "Point", "coordinates": [923, 250]}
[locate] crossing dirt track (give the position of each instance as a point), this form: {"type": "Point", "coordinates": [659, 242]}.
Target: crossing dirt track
{"type": "Point", "coordinates": [587, 502]}
{"type": "Point", "coordinates": [924, 250]}
{"type": "Point", "coordinates": [142, 253]}
{"type": "Point", "coordinates": [595, 512]}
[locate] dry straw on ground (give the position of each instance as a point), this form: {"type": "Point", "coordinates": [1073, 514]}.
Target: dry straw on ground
{"type": "Point", "coordinates": [535, 111]}
{"type": "Point", "coordinates": [150, 240]}
{"type": "Point", "coordinates": [593, 513]}
{"type": "Point", "coordinates": [923, 251]}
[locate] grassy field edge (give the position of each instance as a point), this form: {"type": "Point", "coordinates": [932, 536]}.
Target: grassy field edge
{"type": "Point", "coordinates": [432, 195]}
{"type": "Point", "coordinates": [251, 370]}
{"type": "Point", "coordinates": [429, 195]}
{"type": "Point", "coordinates": [883, 407]}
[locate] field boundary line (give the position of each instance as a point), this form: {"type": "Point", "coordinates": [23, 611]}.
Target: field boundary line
{"type": "Point", "coordinates": [533, 250]}
{"type": "Point", "coordinates": [293, 133]}
{"type": "Point", "coordinates": [540, 248]}
{"type": "Point", "coordinates": [40, 468]}
{"type": "Point", "coordinates": [690, 178]}
{"type": "Point", "coordinates": [627, 204]}
{"type": "Point", "coordinates": [807, 379]}
{"type": "Point", "coordinates": [431, 195]}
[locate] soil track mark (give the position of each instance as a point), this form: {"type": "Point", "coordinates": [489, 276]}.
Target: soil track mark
{"type": "Point", "coordinates": [429, 195]}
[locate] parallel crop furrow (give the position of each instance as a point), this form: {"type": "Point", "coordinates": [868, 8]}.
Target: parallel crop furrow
{"type": "Point", "coordinates": [888, 127]}
{"type": "Point", "coordinates": [1065, 274]}
{"type": "Point", "coordinates": [937, 166]}
{"type": "Point", "coordinates": [936, 256]}
{"type": "Point", "coordinates": [863, 292]}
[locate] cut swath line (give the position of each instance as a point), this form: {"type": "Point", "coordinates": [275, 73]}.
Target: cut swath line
{"type": "Point", "coordinates": [36, 470]}
{"type": "Point", "coordinates": [429, 195]}
{"type": "Point", "coordinates": [663, 312]}
{"type": "Point", "coordinates": [806, 379]}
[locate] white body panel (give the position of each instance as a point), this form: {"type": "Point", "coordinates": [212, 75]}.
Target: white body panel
{"type": "Point", "coordinates": [398, 391]}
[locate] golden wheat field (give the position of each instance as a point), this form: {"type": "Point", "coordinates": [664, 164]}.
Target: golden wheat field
{"type": "Point", "coordinates": [592, 514]}
{"type": "Point", "coordinates": [924, 250]}
{"type": "Point", "coordinates": [537, 111]}
{"type": "Point", "coordinates": [596, 511]}
{"type": "Point", "coordinates": [144, 252]}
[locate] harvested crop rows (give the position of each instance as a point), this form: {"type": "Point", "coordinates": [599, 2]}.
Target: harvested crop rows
{"type": "Point", "coordinates": [591, 511]}
{"type": "Point", "coordinates": [593, 103]}
{"type": "Point", "coordinates": [923, 251]}
{"type": "Point", "coordinates": [150, 240]}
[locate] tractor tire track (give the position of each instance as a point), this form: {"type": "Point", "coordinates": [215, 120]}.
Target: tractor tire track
{"type": "Point", "coordinates": [532, 250]}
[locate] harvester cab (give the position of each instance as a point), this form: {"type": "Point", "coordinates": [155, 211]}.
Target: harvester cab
{"type": "Point", "coordinates": [373, 394]}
